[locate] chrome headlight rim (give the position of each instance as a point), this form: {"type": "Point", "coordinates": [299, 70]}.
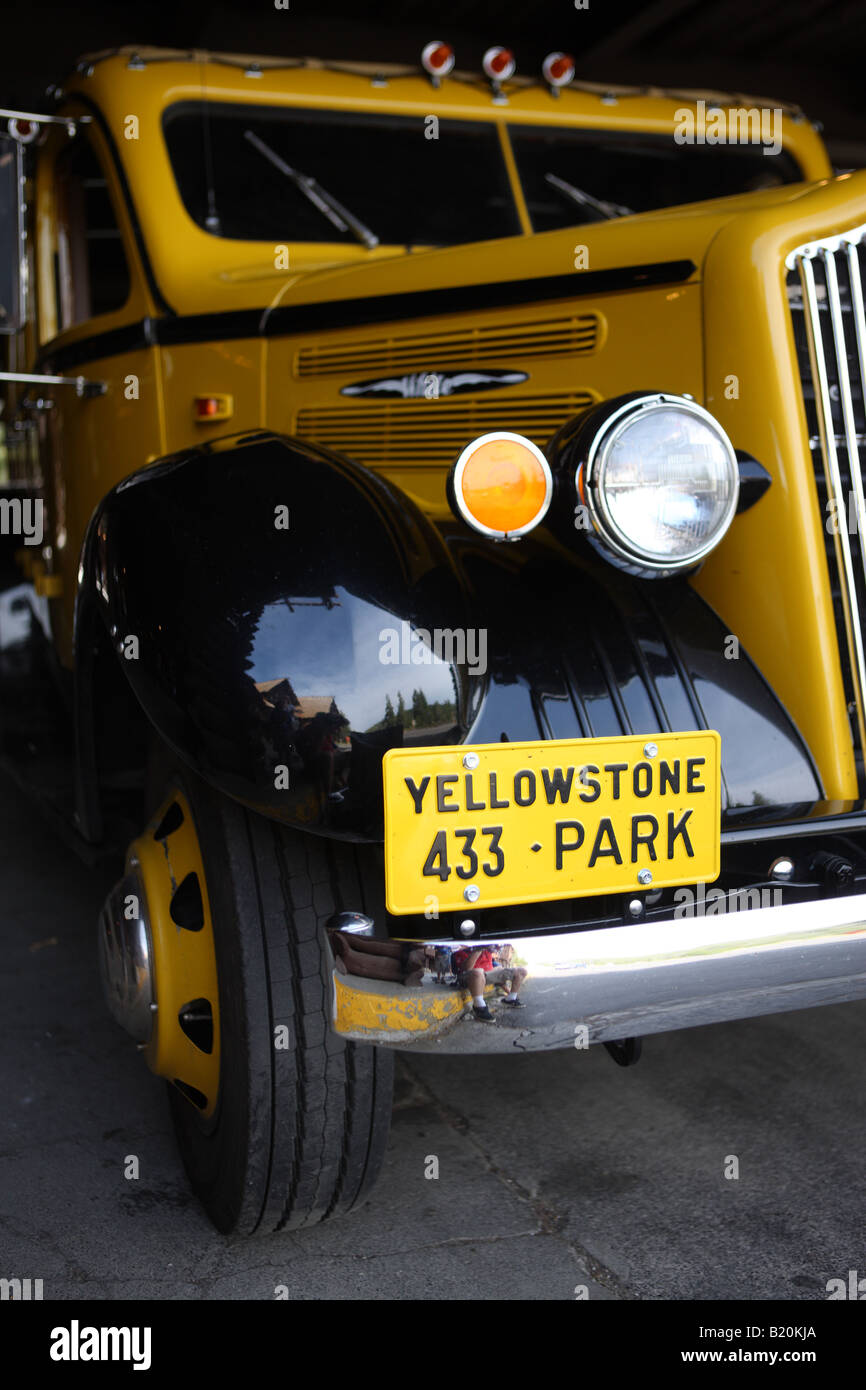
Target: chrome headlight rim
{"type": "Point", "coordinates": [608, 424]}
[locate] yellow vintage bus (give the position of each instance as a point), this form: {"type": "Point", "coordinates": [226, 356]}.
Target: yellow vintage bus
{"type": "Point", "coordinates": [440, 501]}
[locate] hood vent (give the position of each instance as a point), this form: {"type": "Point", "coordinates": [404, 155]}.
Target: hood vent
{"type": "Point", "coordinates": [572, 335]}
{"type": "Point", "coordinates": [432, 433]}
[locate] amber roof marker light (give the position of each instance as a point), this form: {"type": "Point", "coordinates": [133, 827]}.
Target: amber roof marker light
{"type": "Point", "coordinates": [557, 71]}
{"type": "Point", "coordinates": [437, 59]}
{"type": "Point", "coordinates": [501, 485]}
{"type": "Point", "coordinates": [498, 64]}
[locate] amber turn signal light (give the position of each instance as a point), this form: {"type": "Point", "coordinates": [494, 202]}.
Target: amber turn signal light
{"type": "Point", "coordinates": [501, 485]}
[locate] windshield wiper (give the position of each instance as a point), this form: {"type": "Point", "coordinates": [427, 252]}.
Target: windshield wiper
{"type": "Point", "coordinates": [326, 203]}
{"type": "Point", "coordinates": [577, 195]}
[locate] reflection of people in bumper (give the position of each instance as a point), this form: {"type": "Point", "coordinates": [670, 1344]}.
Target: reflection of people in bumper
{"type": "Point", "coordinates": [476, 968]}
{"type": "Point", "coordinates": [378, 960]}
{"type": "Point", "coordinates": [441, 964]}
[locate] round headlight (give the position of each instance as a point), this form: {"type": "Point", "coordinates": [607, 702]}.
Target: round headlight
{"type": "Point", "coordinates": [660, 481]}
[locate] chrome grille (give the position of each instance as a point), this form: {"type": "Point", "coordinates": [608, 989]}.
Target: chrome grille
{"type": "Point", "coordinates": [432, 433]}
{"type": "Point", "coordinates": [825, 292]}
{"type": "Point", "coordinates": [574, 334]}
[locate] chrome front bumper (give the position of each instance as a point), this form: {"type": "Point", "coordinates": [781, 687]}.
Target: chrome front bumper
{"type": "Point", "coordinates": [618, 982]}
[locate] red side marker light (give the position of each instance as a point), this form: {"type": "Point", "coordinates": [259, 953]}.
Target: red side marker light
{"type": "Point", "coordinates": [208, 408]}
{"type": "Point", "coordinates": [25, 132]}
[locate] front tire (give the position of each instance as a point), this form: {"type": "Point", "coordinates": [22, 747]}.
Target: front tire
{"type": "Point", "coordinates": [301, 1120]}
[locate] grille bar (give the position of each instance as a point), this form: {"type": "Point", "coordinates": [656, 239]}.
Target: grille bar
{"type": "Point", "coordinates": [851, 444]}
{"type": "Point", "coordinates": [829, 322]}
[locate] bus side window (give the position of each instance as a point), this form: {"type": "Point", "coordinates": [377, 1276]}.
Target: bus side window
{"type": "Point", "coordinates": [91, 275]}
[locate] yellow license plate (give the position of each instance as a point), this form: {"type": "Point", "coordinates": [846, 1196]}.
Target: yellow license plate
{"type": "Point", "coordinates": [487, 825]}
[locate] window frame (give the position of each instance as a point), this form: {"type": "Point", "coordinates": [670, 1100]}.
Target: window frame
{"type": "Point", "coordinates": [56, 259]}
{"type": "Point", "coordinates": [604, 135]}
{"type": "Point", "coordinates": [344, 116]}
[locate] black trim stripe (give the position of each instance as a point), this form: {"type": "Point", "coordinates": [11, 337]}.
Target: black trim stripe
{"type": "Point", "coordinates": [116, 341]}
{"type": "Point", "coordinates": [345, 313]}
{"type": "Point", "coordinates": [374, 309]}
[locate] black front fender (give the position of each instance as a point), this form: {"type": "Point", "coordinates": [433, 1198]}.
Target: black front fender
{"type": "Point", "coordinates": [281, 661]}
{"type": "Point", "coordinates": [258, 593]}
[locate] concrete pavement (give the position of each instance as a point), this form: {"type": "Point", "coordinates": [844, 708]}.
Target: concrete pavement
{"type": "Point", "coordinates": [556, 1172]}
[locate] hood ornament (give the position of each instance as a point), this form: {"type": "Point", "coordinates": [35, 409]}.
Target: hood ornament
{"type": "Point", "coordinates": [432, 386]}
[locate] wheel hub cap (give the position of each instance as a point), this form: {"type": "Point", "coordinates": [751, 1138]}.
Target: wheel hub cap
{"type": "Point", "coordinates": [157, 957]}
